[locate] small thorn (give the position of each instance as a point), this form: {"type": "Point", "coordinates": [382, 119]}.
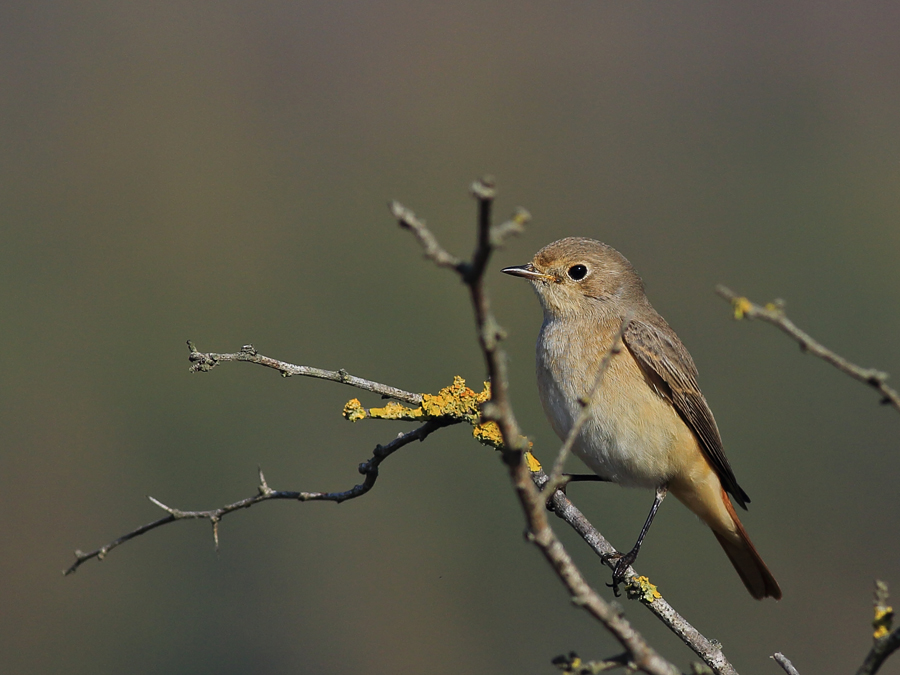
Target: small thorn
{"type": "Point", "coordinates": [168, 509]}
{"type": "Point", "coordinates": [264, 488]}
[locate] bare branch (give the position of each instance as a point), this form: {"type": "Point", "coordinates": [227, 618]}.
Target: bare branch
{"type": "Point", "coordinates": [785, 663]}
{"type": "Point", "coordinates": [774, 314]}
{"type": "Point", "coordinates": [369, 469]}
{"type": "Point", "coordinates": [432, 249]}
{"type": "Point", "coordinates": [204, 362]}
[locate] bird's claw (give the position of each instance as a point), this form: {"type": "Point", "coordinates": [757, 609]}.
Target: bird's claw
{"type": "Point", "coordinates": [623, 562]}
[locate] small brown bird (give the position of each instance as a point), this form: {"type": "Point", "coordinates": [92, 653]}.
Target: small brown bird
{"type": "Point", "coordinates": [649, 424]}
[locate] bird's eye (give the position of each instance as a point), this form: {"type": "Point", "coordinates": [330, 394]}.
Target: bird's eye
{"type": "Point", "coordinates": [577, 272]}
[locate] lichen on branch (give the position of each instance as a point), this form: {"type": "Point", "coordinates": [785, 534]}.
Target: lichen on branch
{"type": "Point", "coordinates": [456, 402]}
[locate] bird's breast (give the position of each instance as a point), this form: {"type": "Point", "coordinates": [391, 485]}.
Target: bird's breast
{"type": "Point", "coordinates": [633, 436]}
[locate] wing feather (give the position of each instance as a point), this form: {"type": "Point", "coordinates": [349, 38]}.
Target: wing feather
{"type": "Point", "coordinates": [670, 367]}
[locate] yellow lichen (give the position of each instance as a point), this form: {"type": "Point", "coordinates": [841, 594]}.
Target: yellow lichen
{"type": "Point", "coordinates": [488, 433]}
{"type": "Point", "coordinates": [354, 411]}
{"type": "Point", "coordinates": [395, 411]}
{"type": "Point", "coordinates": [640, 588]}
{"type": "Point", "coordinates": [533, 465]}
{"type": "Point", "coordinates": [884, 617]}
{"type": "Point", "coordinates": [741, 307]}
{"type": "Point", "coordinates": [456, 402]}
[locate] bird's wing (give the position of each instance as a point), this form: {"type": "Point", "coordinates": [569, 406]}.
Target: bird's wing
{"type": "Point", "coordinates": [667, 363]}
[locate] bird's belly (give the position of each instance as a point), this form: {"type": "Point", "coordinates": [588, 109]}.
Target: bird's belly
{"type": "Point", "coordinates": [632, 435]}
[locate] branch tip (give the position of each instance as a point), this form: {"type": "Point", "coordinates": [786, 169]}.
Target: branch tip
{"type": "Point", "coordinates": [484, 189]}
{"type": "Point", "coordinates": [785, 663]}
{"type": "Point", "coordinates": [172, 512]}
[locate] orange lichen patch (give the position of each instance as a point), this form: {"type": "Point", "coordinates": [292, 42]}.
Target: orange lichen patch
{"type": "Point", "coordinates": [354, 411]}
{"type": "Point", "coordinates": [488, 433]}
{"type": "Point", "coordinates": [396, 411]}
{"type": "Point", "coordinates": [641, 589]}
{"type": "Point", "coordinates": [533, 465]}
{"type": "Point", "coordinates": [456, 401]}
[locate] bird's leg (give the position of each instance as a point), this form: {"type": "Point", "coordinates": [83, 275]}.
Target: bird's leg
{"type": "Point", "coordinates": [625, 561]}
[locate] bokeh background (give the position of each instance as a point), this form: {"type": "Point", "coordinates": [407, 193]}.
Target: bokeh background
{"type": "Point", "coordinates": [220, 172]}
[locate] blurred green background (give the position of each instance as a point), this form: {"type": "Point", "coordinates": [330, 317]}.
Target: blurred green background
{"type": "Point", "coordinates": [220, 172]}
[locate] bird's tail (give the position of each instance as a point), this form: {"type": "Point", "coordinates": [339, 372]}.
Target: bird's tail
{"type": "Point", "coordinates": [743, 555]}
{"type": "Point", "coordinates": [705, 497]}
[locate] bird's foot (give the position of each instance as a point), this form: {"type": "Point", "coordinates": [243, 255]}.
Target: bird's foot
{"type": "Point", "coordinates": [623, 562]}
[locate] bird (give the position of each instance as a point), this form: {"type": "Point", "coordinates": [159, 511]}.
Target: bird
{"type": "Point", "coordinates": [648, 424]}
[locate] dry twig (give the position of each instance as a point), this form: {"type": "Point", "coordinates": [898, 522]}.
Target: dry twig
{"type": "Point", "coordinates": [204, 362]}
{"type": "Point", "coordinates": [773, 313]}
{"type": "Point", "coordinates": [785, 663]}
{"type": "Point", "coordinates": [369, 469]}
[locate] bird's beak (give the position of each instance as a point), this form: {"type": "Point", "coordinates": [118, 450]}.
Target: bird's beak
{"type": "Point", "coordinates": [528, 272]}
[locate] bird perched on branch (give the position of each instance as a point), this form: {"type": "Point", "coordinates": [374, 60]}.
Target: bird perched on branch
{"type": "Point", "coordinates": [648, 425]}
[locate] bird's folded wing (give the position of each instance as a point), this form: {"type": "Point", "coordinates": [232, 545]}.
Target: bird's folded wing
{"type": "Point", "coordinates": [666, 361]}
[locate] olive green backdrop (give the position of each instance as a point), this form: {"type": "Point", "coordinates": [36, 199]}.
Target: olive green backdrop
{"type": "Point", "coordinates": [220, 172]}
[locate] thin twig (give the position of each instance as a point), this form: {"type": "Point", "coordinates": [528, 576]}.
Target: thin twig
{"type": "Point", "coordinates": [556, 475]}
{"type": "Point", "coordinates": [369, 469]}
{"type": "Point", "coordinates": [206, 361]}
{"type": "Point", "coordinates": [785, 663]}
{"type": "Point", "coordinates": [430, 246]}
{"type": "Point", "coordinates": [499, 410]}
{"type": "Point", "coordinates": [773, 313]}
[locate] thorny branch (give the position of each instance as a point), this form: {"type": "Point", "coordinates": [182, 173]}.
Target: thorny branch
{"type": "Point", "coordinates": [774, 314]}
{"type": "Point", "coordinates": [369, 469]}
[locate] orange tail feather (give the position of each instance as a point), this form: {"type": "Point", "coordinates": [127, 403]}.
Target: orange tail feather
{"type": "Point", "coordinates": [743, 555]}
